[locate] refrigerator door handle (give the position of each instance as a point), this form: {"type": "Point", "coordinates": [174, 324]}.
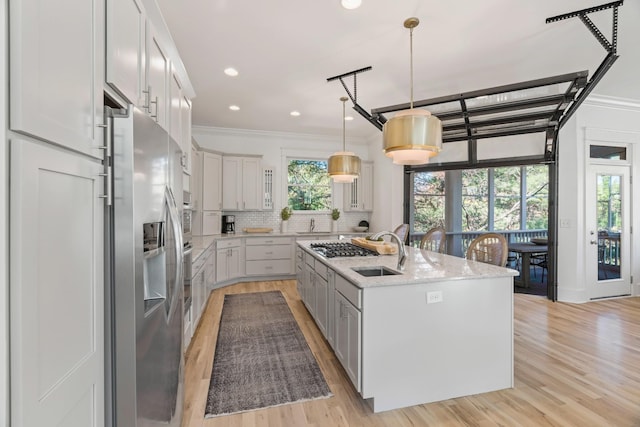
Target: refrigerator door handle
{"type": "Point", "coordinates": [177, 231]}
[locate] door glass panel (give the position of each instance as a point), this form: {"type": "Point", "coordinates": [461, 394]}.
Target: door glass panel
{"type": "Point", "coordinates": [609, 221]}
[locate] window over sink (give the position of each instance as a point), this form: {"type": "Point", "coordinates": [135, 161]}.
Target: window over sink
{"type": "Point", "coordinates": [308, 185]}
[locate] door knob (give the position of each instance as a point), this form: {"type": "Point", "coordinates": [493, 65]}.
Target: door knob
{"type": "Point", "coordinates": [594, 242]}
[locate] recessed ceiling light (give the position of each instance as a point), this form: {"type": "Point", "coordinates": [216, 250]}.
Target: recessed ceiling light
{"type": "Point", "coordinates": [348, 118]}
{"type": "Point", "coordinates": [295, 113]}
{"type": "Point", "coordinates": [231, 72]}
{"type": "Point", "coordinates": [351, 4]}
{"type": "Point", "coordinates": [234, 107]}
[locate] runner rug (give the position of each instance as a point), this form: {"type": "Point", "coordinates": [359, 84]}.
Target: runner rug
{"type": "Point", "coordinates": [261, 359]}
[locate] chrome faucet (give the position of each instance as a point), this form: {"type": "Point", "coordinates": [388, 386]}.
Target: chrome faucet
{"type": "Point", "coordinates": [402, 253]}
{"type": "Point", "coordinates": [312, 226]}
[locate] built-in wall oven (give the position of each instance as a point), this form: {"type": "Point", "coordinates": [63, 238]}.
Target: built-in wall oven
{"type": "Point", "coordinates": [188, 248]}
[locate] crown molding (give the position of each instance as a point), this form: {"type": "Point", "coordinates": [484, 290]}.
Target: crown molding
{"type": "Point", "coordinates": [613, 102]}
{"type": "Point", "coordinates": [287, 136]}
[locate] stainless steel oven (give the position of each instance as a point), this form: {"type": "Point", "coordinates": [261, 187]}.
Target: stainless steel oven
{"type": "Point", "coordinates": [187, 217]}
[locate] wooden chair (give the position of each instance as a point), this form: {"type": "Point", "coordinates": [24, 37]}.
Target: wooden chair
{"type": "Point", "coordinates": [434, 240]}
{"type": "Point", "coordinates": [403, 232]}
{"type": "Point", "coordinates": [490, 248]}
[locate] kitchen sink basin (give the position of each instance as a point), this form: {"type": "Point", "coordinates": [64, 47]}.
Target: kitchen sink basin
{"type": "Point", "coordinates": [313, 232]}
{"type": "Point", "coordinates": [375, 271]}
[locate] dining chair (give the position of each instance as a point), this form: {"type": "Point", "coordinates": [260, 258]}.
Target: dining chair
{"type": "Point", "coordinates": [490, 248]}
{"type": "Point", "coordinates": [403, 232]}
{"type": "Point", "coordinates": [434, 240]}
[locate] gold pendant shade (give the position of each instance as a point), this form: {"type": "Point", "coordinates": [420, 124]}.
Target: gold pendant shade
{"type": "Point", "coordinates": [344, 166]}
{"type": "Point", "coordinates": [412, 137]}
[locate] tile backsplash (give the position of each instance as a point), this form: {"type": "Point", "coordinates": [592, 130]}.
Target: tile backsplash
{"type": "Point", "coordinates": [298, 222]}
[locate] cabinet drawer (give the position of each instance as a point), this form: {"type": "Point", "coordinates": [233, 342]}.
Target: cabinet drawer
{"type": "Point", "coordinates": [265, 268]}
{"type": "Point", "coordinates": [321, 269]}
{"type": "Point", "coordinates": [197, 265]}
{"type": "Point", "coordinates": [310, 260]}
{"type": "Point", "coordinates": [254, 241]}
{"type": "Point", "coordinates": [268, 252]}
{"type": "Point", "coordinates": [350, 291]}
{"type": "Point", "coordinates": [227, 243]}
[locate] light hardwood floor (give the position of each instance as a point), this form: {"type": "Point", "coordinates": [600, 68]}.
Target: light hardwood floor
{"type": "Point", "coordinates": [575, 365]}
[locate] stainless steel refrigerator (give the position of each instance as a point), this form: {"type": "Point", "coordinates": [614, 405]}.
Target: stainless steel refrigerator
{"type": "Point", "coordinates": [145, 292]}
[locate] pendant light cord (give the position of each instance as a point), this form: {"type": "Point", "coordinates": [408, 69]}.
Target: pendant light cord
{"type": "Point", "coordinates": [411, 63]}
{"type": "Point", "coordinates": [344, 144]}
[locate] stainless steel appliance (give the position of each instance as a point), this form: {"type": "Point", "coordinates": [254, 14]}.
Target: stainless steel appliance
{"type": "Point", "coordinates": [341, 249]}
{"type": "Point", "coordinates": [228, 224]}
{"type": "Point", "coordinates": [187, 235]}
{"type": "Point", "coordinates": [145, 270]}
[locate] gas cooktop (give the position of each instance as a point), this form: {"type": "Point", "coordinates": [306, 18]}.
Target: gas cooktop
{"type": "Point", "coordinates": [339, 249]}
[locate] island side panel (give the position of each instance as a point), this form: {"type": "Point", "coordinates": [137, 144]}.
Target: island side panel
{"type": "Point", "coordinates": [415, 353]}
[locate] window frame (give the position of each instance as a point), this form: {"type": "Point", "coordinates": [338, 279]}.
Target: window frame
{"type": "Point", "coordinates": [285, 179]}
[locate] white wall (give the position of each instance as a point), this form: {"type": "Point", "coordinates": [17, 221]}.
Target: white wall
{"type": "Point", "coordinates": [388, 189]}
{"type": "Point", "coordinates": [619, 120]}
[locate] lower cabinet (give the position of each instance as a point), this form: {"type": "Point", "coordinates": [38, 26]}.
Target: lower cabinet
{"type": "Point", "coordinates": [348, 322]}
{"type": "Point", "coordinates": [198, 284]}
{"type": "Point", "coordinates": [268, 256]}
{"type": "Point", "coordinates": [331, 286]}
{"type": "Point", "coordinates": [321, 297]}
{"type": "Point", "coordinates": [228, 259]}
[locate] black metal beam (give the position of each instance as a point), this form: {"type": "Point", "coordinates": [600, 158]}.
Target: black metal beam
{"type": "Point", "coordinates": [610, 59]}
{"type": "Point", "coordinates": [350, 73]}
{"type": "Point", "coordinates": [498, 134]}
{"type": "Point", "coordinates": [491, 163]}
{"type": "Point", "coordinates": [564, 78]}
{"type": "Point", "coordinates": [584, 11]}
{"type": "Point", "coordinates": [539, 115]}
{"type": "Point", "coordinates": [367, 116]}
{"type": "Point", "coordinates": [542, 101]}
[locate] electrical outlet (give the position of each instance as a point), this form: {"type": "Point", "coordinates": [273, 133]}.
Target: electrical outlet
{"type": "Point", "coordinates": [434, 296]}
{"type": "Point", "coordinates": [565, 223]}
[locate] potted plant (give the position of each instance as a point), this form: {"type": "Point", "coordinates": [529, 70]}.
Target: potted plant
{"type": "Point", "coordinates": [335, 214]}
{"type": "Point", "coordinates": [285, 214]}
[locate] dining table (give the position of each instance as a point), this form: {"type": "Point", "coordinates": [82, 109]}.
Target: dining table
{"type": "Point", "coordinates": [526, 249]}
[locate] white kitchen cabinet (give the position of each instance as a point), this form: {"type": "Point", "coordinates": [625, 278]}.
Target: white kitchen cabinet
{"type": "Point", "coordinates": [211, 181]}
{"type": "Point", "coordinates": [56, 283]}
{"type": "Point", "coordinates": [228, 259]}
{"type": "Point", "coordinates": [358, 196]}
{"type": "Point", "coordinates": [300, 271]}
{"type": "Point", "coordinates": [126, 50]}
{"type": "Point", "coordinates": [198, 284]}
{"type": "Point", "coordinates": [268, 256]}
{"type": "Point", "coordinates": [321, 294]}
{"type": "Point", "coordinates": [242, 183]}
{"type": "Point", "coordinates": [56, 57]}
{"type": "Point", "coordinates": [348, 321]}
{"type": "Point", "coordinates": [157, 69]}
{"type": "Point", "coordinates": [331, 286]}
{"type": "Point", "coordinates": [211, 222]}
{"type": "Point", "coordinates": [175, 109]}
{"type": "Point", "coordinates": [185, 122]}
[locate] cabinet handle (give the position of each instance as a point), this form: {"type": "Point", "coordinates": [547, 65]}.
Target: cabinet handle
{"type": "Point", "coordinates": [154, 116]}
{"type": "Point", "coordinates": [244, 205]}
{"type": "Point", "coordinates": [268, 253]}
{"type": "Point", "coordinates": [147, 97]}
{"type": "Point", "coordinates": [269, 267]}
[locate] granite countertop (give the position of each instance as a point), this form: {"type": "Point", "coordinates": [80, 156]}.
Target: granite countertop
{"type": "Point", "coordinates": [421, 266]}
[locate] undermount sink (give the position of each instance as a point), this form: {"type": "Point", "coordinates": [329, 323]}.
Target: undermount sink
{"type": "Point", "coordinates": [313, 232]}
{"type": "Point", "coordinates": [377, 271]}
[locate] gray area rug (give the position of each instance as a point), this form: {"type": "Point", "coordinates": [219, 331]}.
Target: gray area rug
{"type": "Point", "coordinates": [261, 359]}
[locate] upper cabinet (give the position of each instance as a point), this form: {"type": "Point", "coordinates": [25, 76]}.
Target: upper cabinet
{"type": "Point", "coordinates": [358, 196]}
{"type": "Point", "coordinates": [144, 68]}
{"type": "Point", "coordinates": [242, 183]}
{"type": "Point", "coordinates": [211, 182]}
{"type": "Point", "coordinates": [126, 50]}
{"type": "Point", "coordinates": [57, 72]}
{"type": "Point", "coordinates": [157, 71]}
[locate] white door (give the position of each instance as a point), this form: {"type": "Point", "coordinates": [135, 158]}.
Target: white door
{"type": "Point", "coordinates": [608, 237]}
{"type": "Point", "coordinates": [212, 182]}
{"type": "Point", "coordinates": [231, 183]}
{"type": "Point", "coordinates": [157, 71]}
{"type": "Point", "coordinates": [252, 195]}
{"type": "Point", "coordinates": [56, 287]}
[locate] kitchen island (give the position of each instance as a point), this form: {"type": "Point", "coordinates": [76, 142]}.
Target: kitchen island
{"type": "Point", "coordinates": [441, 329]}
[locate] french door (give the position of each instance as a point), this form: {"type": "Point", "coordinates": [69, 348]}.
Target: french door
{"type": "Point", "coordinates": [608, 231]}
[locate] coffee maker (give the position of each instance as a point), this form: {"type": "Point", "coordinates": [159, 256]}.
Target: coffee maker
{"type": "Point", "coordinates": [228, 224]}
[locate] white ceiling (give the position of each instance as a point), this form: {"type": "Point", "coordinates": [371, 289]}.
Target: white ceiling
{"type": "Point", "coordinates": [284, 51]}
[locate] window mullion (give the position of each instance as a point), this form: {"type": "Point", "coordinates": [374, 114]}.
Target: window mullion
{"type": "Point", "coordinates": [491, 198]}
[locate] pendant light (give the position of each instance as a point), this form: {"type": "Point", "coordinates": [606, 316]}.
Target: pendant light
{"type": "Point", "coordinates": [412, 136]}
{"type": "Point", "coordinates": [344, 166]}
